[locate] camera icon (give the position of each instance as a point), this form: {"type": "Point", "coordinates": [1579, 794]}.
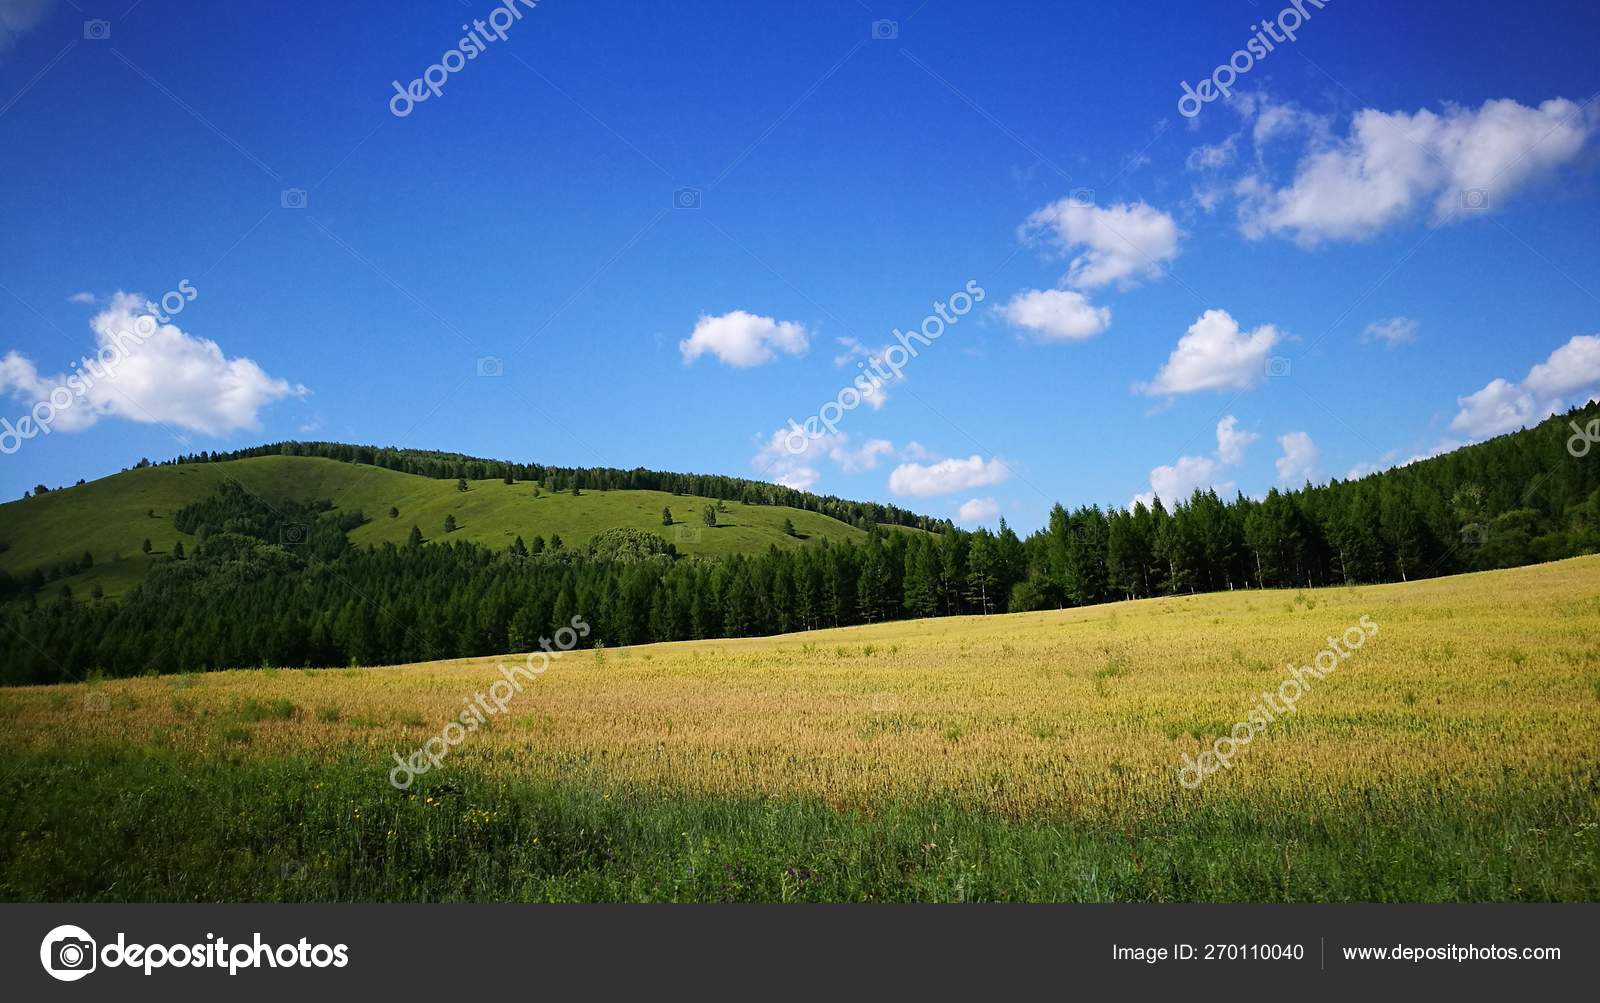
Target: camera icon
{"type": "Point", "coordinates": [1474, 198]}
{"type": "Point", "coordinates": [491, 366]}
{"type": "Point", "coordinates": [885, 30]}
{"type": "Point", "coordinates": [1474, 533]}
{"type": "Point", "coordinates": [1081, 198]}
{"type": "Point", "coordinates": [1277, 367]}
{"type": "Point", "coordinates": [293, 535]}
{"type": "Point", "coordinates": [686, 198]}
{"type": "Point", "coordinates": [97, 30]}
{"type": "Point", "coordinates": [683, 533]}
{"type": "Point", "coordinates": [293, 198]}
{"type": "Point", "coordinates": [67, 953]}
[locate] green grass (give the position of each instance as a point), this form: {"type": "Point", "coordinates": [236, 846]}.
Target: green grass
{"type": "Point", "coordinates": [77, 827]}
{"type": "Point", "coordinates": [110, 517]}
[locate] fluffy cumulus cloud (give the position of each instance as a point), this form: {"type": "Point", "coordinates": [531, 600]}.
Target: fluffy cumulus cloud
{"type": "Point", "coordinates": [146, 371]}
{"type": "Point", "coordinates": [1056, 314]}
{"type": "Point", "coordinates": [1231, 441]}
{"type": "Point", "coordinates": [775, 462]}
{"type": "Point", "coordinates": [855, 459]}
{"type": "Point", "coordinates": [977, 510]}
{"type": "Point", "coordinates": [1119, 244]}
{"type": "Point", "coordinates": [1571, 374]}
{"type": "Point", "coordinates": [1573, 367]}
{"type": "Point", "coordinates": [1299, 459]}
{"type": "Point", "coordinates": [1392, 332]}
{"type": "Point", "coordinates": [802, 469]}
{"type": "Point", "coordinates": [1175, 482]}
{"type": "Point", "coordinates": [1390, 165]}
{"type": "Point", "coordinates": [743, 339]}
{"type": "Point", "coordinates": [1214, 354]}
{"type": "Point", "coordinates": [946, 476]}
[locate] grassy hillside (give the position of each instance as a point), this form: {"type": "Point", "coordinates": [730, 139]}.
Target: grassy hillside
{"type": "Point", "coordinates": [1029, 756]}
{"type": "Point", "coordinates": [110, 518]}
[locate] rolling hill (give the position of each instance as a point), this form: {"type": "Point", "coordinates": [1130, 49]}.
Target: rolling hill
{"type": "Point", "coordinates": [112, 517]}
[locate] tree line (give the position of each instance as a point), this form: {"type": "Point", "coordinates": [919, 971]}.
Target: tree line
{"type": "Point", "coordinates": [282, 586]}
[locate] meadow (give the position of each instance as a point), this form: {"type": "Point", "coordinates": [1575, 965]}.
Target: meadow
{"type": "Point", "coordinates": [112, 517]}
{"type": "Point", "coordinates": [1455, 756]}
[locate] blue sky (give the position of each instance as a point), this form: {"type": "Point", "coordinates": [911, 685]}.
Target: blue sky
{"type": "Point", "coordinates": [1169, 301]}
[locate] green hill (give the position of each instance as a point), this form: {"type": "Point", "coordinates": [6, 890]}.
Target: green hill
{"type": "Point", "coordinates": [111, 518]}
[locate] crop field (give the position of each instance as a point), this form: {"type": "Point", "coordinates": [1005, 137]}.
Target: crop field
{"type": "Point", "coordinates": [1454, 756]}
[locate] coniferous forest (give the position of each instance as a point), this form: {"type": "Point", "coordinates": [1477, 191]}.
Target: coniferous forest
{"type": "Point", "coordinates": [239, 596]}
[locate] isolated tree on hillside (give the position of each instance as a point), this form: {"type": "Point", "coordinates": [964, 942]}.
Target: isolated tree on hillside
{"type": "Point", "coordinates": [461, 484]}
{"type": "Point", "coordinates": [788, 528]}
{"type": "Point", "coordinates": [145, 546]}
{"type": "Point", "coordinates": [666, 517]}
{"type": "Point", "coordinates": [710, 516]}
{"type": "Point", "coordinates": [449, 524]}
{"type": "Point", "coordinates": [575, 491]}
{"type": "Point", "coordinates": [394, 513]}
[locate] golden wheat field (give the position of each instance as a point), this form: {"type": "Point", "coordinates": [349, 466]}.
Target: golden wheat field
{"type": "Point", "coordinates": [1081, 713]}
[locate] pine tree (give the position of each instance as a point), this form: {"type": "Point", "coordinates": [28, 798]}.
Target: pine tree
{"type": "Point", "coordinates": [145, 546]}
{"type": "Point", "coordinates": [449, 523]}
{"type": "Point", "coordinates": [666, 516]}
{"type": "Point", "coordinates": [710, 515]}
{"type": "Point", "coordinates": [415, 539]}
{"type": "Point", "coordinates": [461, 484]}
{"type": "Point", "coordinates": [394, 513]}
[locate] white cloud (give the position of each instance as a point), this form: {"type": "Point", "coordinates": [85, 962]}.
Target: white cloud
{"type": "Point", "coordinates": [1215, 355]}
{"type": "Point", "coordinates": [1214, 156]}
{"type": "Point", "coordinates": [862, 457]}
{"type": "Point", "coordinates": [1502, 406]}
{"type": "Point", "coordinates": [743, 339]}
{"type": "Point", "coordinates": [163, 377]}
{"type": "Point", "coordinates": [800, 470]}
{"type": "Point", "coordinates": [792, 470]}
{"type": "Point", "coordinates": [1498, 407]}
{"type": "Point", "coordinates": [1231, 441]}
{"type": "Point", "coordinates": [1390, 164]}
{"type": "Point", "coordinates": [1572, 367]}
{"type": "Point", "coordinates": [81, 298]}
{"type": "Point", "coordinates": [915, 450]}
{"type": "Point", "coordinates": [1177, 481]}
{"type": "Point", "coordinates": [976, 510]}
{"type": "Point", "coordinates": [1056, 314]}
{"type": "Point", "coordinates": [1299, 459]}
{"type": "Point", "coordinates": [946, 476]}
{"type": "Point", "coordinates": [1119, 244]}
{"type": "Point", "coordinates": [1392, 332]}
